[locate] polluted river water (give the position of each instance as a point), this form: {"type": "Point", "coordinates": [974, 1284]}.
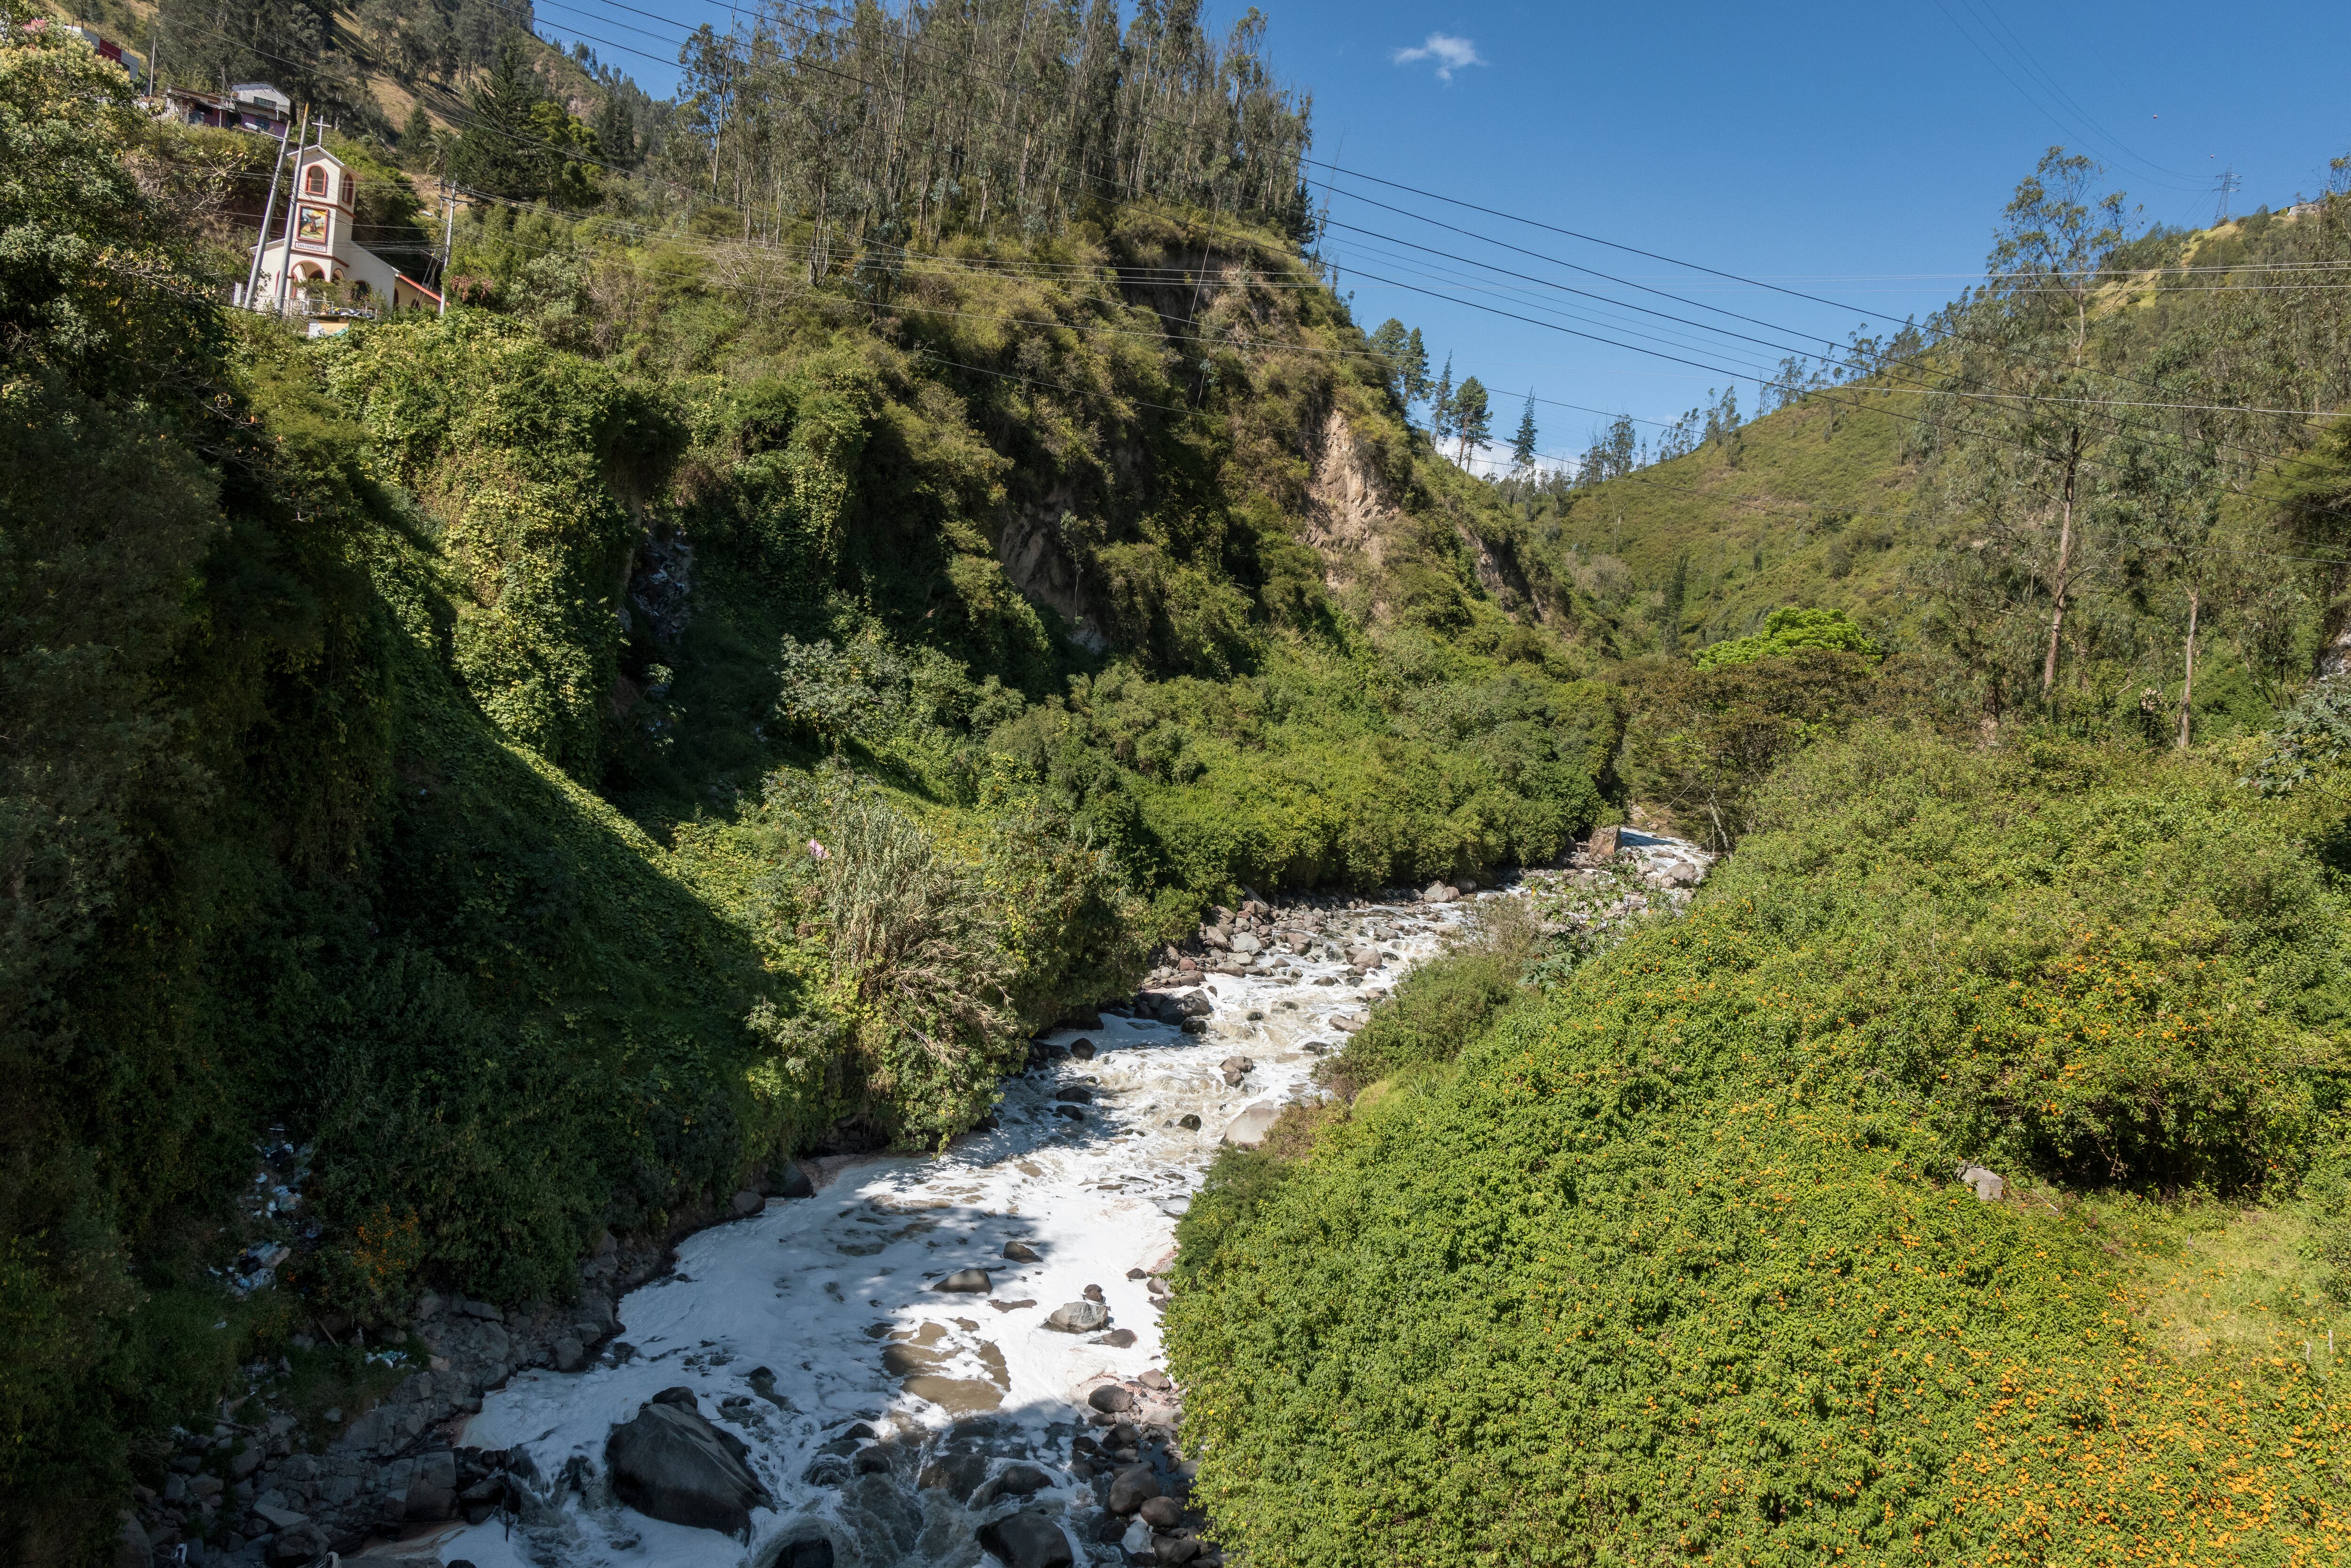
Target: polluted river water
{"type": "Point", "coordinates": [889, 1419]}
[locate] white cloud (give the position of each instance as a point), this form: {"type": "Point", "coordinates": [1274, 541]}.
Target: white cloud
{"type": "Point", "coordinates": [1451, 54]}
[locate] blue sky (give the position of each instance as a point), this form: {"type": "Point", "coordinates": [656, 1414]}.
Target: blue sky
{"type": "Point", "coordinates": [1857, 153]}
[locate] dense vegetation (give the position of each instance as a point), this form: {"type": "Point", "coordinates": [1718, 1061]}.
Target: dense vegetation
{"type": "Point", "coordinates": [558, 759]}
{"type": "Point", "coordinates": [1672, 1263]}
{"type": "Point", "coordinates": [2104, 489]}
{"type": "Point", "coordinates": [868, 559]}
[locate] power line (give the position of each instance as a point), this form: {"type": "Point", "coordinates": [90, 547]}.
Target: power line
{"type": "Point", "coordinates": [1747, 374]}
{"type": "Point", "coordinates": [2258, 457]}
{"type": "Point", "coordinates": [2154, 172]}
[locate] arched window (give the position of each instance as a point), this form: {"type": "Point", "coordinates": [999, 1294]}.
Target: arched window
{"type": "Point", "coordinates": [314, 182]}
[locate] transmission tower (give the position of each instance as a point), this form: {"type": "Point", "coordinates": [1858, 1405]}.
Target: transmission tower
{"type": "Point", "coordinates": [2225, 187]}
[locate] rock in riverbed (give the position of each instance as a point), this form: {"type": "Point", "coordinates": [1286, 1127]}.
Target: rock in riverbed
{"type": "Point", "coordinates": [1249, 1129]}
{"type": "Point", "coordinates": [1079, 1317]}
{"type": "Point", "coordinates": [1131, 1489]}
{"type": "Point", "coordinates": [672, 1463]}
{"type": "Point", "coordinates": [1027, 1539]}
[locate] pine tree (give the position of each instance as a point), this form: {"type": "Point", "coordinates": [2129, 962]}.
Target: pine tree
{"type": "Point", "coordinates": [616, 131]}
{"type": "Point", "coordinates": [1473, 419]}
{"type": "Point", "coordinates": [501, 151]}
{"type": "Point", "coordinates": [1388, 342]}
{"type": "Point", "coordinates": [1415, 370]}
{"type": "Point", "coordinates": [1522, 446]}
{"type": "Point", "coordinates": [1440, 406]}
{"type": "Point", "coordinates": [419, 144]}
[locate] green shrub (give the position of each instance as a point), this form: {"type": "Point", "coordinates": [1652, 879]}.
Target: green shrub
{"type": "Point", "coordinates": [530, 459]}
{"type": "Point", "coordinates": [1701, 739]}
{"type": "Point", "coordinates": [1445, 1003]}
{"type": "Point", "coordinates": [1790, 630]}
{"type": "Point", "coordinates": [921, 974]}
{"type": "Point", "coordinates": [1672, 1265]}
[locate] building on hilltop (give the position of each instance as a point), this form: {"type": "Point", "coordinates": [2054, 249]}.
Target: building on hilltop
{"type": "Point", "coordinates": [326, 273]}
{"type": "Point", "coordinates": [94, 35]}
{"type": "Point", "coordinates": [254, 106]}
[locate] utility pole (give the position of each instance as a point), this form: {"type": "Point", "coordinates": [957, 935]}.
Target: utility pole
{"type": "Point", "coordinates": [448, 236]}
{"type": "Point", "coordinates": [286, 272]}
{"type": "Point", "coordinates": [2225, 186]}
{"type": "Point", "coordinates": [268, 208]}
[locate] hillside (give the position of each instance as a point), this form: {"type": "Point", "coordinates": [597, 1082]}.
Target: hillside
{"type": "Point", "coordinates": [431, 733]}
{"type": "Point", "coordinates": [1905, 495]}
{"type": "Point", "coordinates": [1670, 1260]}
{"type": "Point", "coordinates": [851, 583]}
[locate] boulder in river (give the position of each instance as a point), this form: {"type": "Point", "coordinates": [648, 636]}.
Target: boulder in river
{"type": "Point", "coordinates": [1249, 1129]}
{"type": "Point", "coordinates": [747, 1202]}
{"type": "Point", "coordinates": [1021, 1252]}
{"type": "Point", "coordinates": [1027, 1539]}
{"type": "Point", "coordinates": [957, 1475]}
{"type": "Point", "coordinates": [1110, 1398]}
{"type": "Point", "coordinates": [1131, 1489]}
{"type": "Point", "coordinates": [1079, 1317]}
{"type": "Point", "coordinates": [967, 1280]}
{"type": "Point", "coordinates": [1437, 892]}
{"type": "Point", "coordinates": [672, 1465]}
{"type": "Point", "coordinates": [1191, 1004]}
{"type": "Point", "coordinates": [791, 1180]}
{"type": "Point", "coordinates": [1188, 1120]}
{"type": "Point", "coordinates": [1013, 1481]}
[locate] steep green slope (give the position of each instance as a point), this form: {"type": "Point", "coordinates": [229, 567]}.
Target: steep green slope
{"type": "Point", "coordinates": [1815, 504]}
{"type": "Point", "coordinates": [425, 731]}
{"type": "Point", "coordinates": [1674, 1264]}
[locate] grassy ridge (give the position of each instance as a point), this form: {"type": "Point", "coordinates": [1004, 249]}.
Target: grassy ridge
{"type": "Point", "coordinates": [1673, 1262]}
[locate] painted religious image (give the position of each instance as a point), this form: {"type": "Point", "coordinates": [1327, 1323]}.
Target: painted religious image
{"type": "Point", "coordinates": [310, 225]}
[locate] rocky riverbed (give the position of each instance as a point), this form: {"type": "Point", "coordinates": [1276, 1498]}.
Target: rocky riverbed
{"type": "Point", "coordinates": [900, 1360]}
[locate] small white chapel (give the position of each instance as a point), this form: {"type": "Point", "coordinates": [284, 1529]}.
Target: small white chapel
{"type": "Point", "coordinates": [315, 244]}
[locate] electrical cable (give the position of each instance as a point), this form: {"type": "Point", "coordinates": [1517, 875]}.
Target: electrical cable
{"type": "Point", "coordinates": [1629, 348]}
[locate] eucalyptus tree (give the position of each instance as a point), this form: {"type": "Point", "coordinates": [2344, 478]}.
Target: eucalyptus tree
{"type": "Point", "coordinates": [2028, 413]}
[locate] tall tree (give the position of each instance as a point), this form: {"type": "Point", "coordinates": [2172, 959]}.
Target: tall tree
{"type": "Point", "coordinates": [1388, 340]}
{"type": "Point", "coordinates": [1440, 406]}
{"type": "Point", "coordinates": [1473, 417]}
{"type": "Point", "coordinates": [499, 151]}
{"type": "Point", "coordinates": [1416, 369]}
{"type": "Point", "coordinates": [518, 141]}
{"type": "Point", "coordinates": [616, 130]}
{"type": "Point", "coordinates": [2033, 422]}
{"type": "Point", "coordinates": [1522, 446]}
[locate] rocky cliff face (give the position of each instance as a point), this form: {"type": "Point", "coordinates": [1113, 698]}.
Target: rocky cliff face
{"type": "Point", "coordinates": [1350, 516]}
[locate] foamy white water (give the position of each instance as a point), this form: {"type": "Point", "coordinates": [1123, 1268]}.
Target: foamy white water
{"type": "Point", "coordinates": [816, 1319]}
{"type": "Point", "coordinates": [815, 1290]}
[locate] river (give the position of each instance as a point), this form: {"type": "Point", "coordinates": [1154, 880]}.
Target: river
{"type": "Point", "coordinates": [870, 1401]}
